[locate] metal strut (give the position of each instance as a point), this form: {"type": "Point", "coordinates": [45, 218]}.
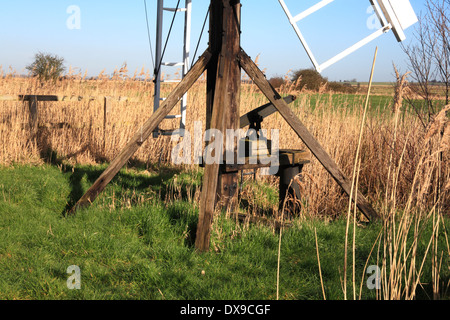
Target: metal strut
{"type": "Point", "coordinates": [159, 56]}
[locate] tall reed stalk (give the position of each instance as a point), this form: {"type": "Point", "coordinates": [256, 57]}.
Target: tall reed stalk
{"type": "Point", "coordinates": [355, 180]}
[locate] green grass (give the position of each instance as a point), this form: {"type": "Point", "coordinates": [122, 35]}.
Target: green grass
{"type": "Point", "coordinates": [348, 102]}
{"type": "Point", "coordinates": [133, 243]}
{"type": "Point", "coordinates": [379, 104]}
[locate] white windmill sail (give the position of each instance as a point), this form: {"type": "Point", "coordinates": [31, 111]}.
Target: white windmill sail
{"type": "Point", "coordinates": [395, 15]}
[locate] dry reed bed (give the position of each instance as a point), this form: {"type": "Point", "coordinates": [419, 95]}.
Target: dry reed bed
{"type": "Point", "coordinates": [395, 150]}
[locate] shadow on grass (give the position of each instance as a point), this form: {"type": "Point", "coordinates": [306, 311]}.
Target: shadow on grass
{"type": "Point", "coordinates": [84, 176]}
{"type": "Point", "coordinates": [123, 181]}
{"type": "Point", "coordinates": [181, 212]}
{"type": "Point", "coordinates": [127, 184]}
{"type": "Point", "coordinates": [123, 184]}
{"type": "Point", "coordinates": [425, 290]}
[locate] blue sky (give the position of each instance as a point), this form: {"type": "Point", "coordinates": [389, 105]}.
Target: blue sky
{"type": "Point", "coordinates": [113, 32]}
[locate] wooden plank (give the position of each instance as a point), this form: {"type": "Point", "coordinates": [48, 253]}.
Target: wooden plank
{"type": "Point", "coordinates": [286, 158]}
{"type": "Point", "coordinates": [143, 133]}
{"type": "Point", "coordinates": [262, 111]}
{"type": "Point", "coordinates": [258, 77]}
{"type": "Point", "coordinates": [32, 104]}
{"type": "Point", "coordinates": [50, 98]}
{"type": "Point", "coordinates": [38, 97]}
{"type": "Point", "coordinates": [9, 98]}
{"type": "Point", "coordinates": [290, 157]}
{"type": "Point", "coordinates": [215, 46]}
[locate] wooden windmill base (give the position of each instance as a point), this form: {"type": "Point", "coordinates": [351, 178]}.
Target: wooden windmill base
{"type": "Point", "coordinates": [223, 61]}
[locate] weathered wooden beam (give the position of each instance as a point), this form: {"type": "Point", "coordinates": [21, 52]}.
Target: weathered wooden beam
{"type": "Point", "coordinates": [223, 110]}
{"type": "Point", "coordinates": [143, 133]}
{"type": "Point", "coordinates": [292, 157]}
{"type": "Point", "coordinates": [28, 97]}
{"type": "Point", "coordinates": [34, 124]}
{"type": "Point", "coordinates": [286, 157]}
{"type": "Point", "coordinates": [211, 172]}
{"type": "Point", "coordinates": [260, 80]}
{"type": "Point", "coordinates": [262, 111]}
{"type": "Point", "coordinates": [228, 181]}
{"type": "Point", "coordinates": [40, 97]}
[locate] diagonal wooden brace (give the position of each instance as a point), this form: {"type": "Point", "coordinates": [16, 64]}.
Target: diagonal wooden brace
{"type": "Point", "coordinates": [211, 172]}
{"type": "Point", "coordinates": [308, 139]}
{"type": "Point", "coordinates": [144, 133]}
{"type": "Point", "coordinates": [262, 111]}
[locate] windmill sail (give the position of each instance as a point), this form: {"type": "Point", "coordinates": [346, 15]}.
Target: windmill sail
{"type": "Point", "coordinates": [395, 15]}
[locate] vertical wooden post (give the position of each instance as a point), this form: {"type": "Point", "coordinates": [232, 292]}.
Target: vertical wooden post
{"type": "Point", "coordinates": [215, 45]}
{"type": "Point", "coordinates": [223, 85]}
{"type": "Point", "coordinates": [33, 109]}
{"type": "Point", "coordinates": [105, 111]}
{"type": "Point", "coordinates": [228, 181]}
{"type": "Point", "coordinates": [33, 121]}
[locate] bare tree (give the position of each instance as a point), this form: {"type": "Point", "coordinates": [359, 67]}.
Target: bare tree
{"type": "Point", "coordinates": [439, 18]}
{"type": "Point", "coordinates": [429, 63]}
{"type": "Point", "coordinates": [429, 57]}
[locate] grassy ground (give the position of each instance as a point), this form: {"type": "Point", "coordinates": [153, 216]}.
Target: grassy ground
{"type": "Point", "coordinates": [136, 242]}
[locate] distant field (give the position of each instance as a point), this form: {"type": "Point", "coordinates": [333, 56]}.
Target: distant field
{"type": "Point", "coordinates": [387, 88]}
{"type": "Point", "coordinates": [374, 84]}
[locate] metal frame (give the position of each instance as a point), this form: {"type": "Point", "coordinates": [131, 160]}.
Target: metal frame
{"type": "Point", "coordinates": [400, 14]}
{"type": "Point", "coordinates": [185, 63]}
{"type": "Point", "coordinates": [385, 12]}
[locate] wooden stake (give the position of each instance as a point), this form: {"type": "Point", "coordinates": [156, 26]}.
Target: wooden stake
{"type": "Point", "coordinates": [33, 116]}
{"type": "Point", "coordinates": [211, 173]}
{"type": "Point", "coordinates": [105, 112]}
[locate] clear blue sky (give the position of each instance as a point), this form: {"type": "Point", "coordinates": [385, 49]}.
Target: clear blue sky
{"type": "Point", "coordinates": [113, 32]}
